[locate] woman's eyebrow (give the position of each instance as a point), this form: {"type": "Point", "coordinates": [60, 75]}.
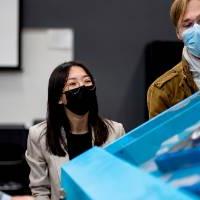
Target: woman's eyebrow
{"type": "Point", "coordinates": [74, 78]}
{"type": "Point", "coordinates": [86, 76]}
{"type": "Point", "coordinates": [186, 20]}
{"type": "Point", "coordinates": [190, 19]}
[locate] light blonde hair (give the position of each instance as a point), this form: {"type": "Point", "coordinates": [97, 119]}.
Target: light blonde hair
{"type": "Point", "coordinates": [177, 10]}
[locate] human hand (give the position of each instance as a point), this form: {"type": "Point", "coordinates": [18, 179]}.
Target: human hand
{"type": "Point", "coordinates": [22, 198]}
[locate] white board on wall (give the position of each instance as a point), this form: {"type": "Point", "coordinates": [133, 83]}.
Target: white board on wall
{"type": "Point", "coordinates": [23, 96]}
{"type": "Point", "coordinates": [9, 33]}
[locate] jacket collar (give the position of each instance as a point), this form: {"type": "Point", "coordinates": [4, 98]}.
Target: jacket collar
{"type": "Point", "coordinates": [187, 75]}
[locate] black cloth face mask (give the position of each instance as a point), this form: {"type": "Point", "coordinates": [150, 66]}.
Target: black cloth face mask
{"type": "Point", "coordinates": [81, 99]}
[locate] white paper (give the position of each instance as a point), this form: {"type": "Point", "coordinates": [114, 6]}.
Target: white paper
{"type": "Point", "coordinates": [60, 38]}
{"type": "Point", "coordinates": [9, 19]}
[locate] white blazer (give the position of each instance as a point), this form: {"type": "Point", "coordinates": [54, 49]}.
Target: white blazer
{"type": "Point", "coordinates": [4, 196]}
{"type": "Point", "coordinates": [45, 167]}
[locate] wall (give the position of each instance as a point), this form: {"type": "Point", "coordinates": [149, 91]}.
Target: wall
{"type": "Point", "coordinates": [24, 94]}
{"type": "Point", "coordinates": [110, 37]}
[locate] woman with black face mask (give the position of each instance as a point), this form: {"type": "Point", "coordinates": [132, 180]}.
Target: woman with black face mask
{"type": "Point", "coordinates": [73, 126]}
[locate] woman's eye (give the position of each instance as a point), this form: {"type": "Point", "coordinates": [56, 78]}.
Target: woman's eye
{"type": "Point", "coordinates": [187, 25]}
{"type": "Point", "coordinates": [88, 81]}
{"type": "Point", "coordinates": [71, 84]}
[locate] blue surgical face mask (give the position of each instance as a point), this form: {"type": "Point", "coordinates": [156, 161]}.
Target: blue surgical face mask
{"type": "Point", "coordinates": [191, 39]}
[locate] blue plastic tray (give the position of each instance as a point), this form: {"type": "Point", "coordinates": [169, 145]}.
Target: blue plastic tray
{"type": "Point", "coordinates": [114, 173]}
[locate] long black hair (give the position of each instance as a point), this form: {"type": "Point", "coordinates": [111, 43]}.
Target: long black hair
{"type": "Point", "coordinates": [56, 114]}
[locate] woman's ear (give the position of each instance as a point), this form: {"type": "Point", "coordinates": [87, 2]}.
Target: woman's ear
{"type": "Point", "coordinates": [62, 100]}
{"type": "Point", "coordinates": [178, 35]}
